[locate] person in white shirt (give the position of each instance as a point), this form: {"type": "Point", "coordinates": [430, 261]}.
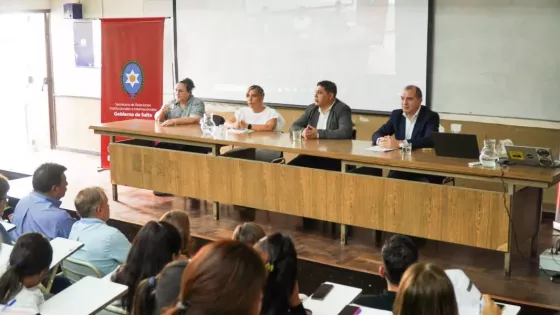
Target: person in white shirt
{"type": "Point", "coordinates": [105, 247]}
{"type": "Point", "coordinates": [256, 116]}
{"type": "Point", "coordinates": [29, 262]}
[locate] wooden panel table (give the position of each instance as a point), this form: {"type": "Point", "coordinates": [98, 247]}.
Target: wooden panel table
{"type": "Point", "coordinates": [494, 220]}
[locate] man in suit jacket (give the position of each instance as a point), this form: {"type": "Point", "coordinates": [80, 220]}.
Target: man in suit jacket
{"type": "Point", "coordinates": [327, 118]}
{"type": "Point", "coordinates": [412, 124]}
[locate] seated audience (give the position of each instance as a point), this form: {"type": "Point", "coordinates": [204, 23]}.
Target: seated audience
{"type": "Point", "coordinates": [224, 277]}
{"type": "Point", "coordinates": [249, 233]}
{"type": "Point", "coordinates": [4, 188]}
{"type": "Point", "coordinates": [399, 253]}
{"type": "Point", "coordinates": [105, 247]}
{"type": "Point", "coordinates": [256, 116]}
{"type": "Point", "coordinates": [160, 292]}
{"type": "Point", "coordinates": [281, 291]}
{"type": "Point", "coordinates": [40, 211]}
{"type": "Point", "coordinates": [155, 245]}
{"type": "Point", "coordinates": [327, 118]}
{"type": "Point", "coordinates": [180, 220]}
{"type": "Point", "coordinates": [412, 124]}
{"type": "Point", "coordinates": [425, 289]}
{"type": "Point", "coordinates": [29, 262]}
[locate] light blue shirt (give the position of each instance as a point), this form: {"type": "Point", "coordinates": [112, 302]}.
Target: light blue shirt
{"type": "Point", "coordinates": [104, 246]}
{"type": "Point", "coordinates": [41, 214]}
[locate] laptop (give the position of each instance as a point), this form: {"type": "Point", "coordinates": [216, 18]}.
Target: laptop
{"type": "Point", "coordinates": [456, 145]}
{"type": "Point", "coordinates": [533, 156]}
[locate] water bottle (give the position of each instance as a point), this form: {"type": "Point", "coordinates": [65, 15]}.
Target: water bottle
{"type": "Point", "coordinates": [489, 155]}
{"type": "Point", "coordinates": [207, 124]}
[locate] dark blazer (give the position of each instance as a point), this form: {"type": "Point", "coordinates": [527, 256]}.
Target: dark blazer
{"type": "Point", "coordinates": [339, 123]}
{"type": "Point", "coordinates": [426, 123]}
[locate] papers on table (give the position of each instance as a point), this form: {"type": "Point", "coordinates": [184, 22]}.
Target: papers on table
{"type": "Point", "coordinates": [7, 225]}
{"type": "Point", "coordinates": [238, 131]}
{"type": "Point", "coordinates": [377, 148]}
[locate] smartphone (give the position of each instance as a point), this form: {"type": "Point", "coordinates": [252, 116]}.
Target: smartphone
{"type": "Point", "coordinates": [350, 310]}
{"type": "Point", "coordinates": [322, 291]}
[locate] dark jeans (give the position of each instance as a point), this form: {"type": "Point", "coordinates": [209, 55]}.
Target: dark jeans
{"type": "Point", "coordinates": [60, 283]}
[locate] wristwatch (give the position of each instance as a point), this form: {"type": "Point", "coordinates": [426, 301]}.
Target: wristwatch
{"type": "Point", "coordinates": [249, 126]}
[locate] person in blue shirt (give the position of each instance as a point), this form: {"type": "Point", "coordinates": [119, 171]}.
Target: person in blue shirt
{"type": "Point", "coordinates": [40, 210]}
{"type": "Point", "coordinates": [105, 247]}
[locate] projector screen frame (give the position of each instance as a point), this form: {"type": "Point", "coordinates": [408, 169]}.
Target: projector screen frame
{"type": "Point", "coordinates": [429, 68]}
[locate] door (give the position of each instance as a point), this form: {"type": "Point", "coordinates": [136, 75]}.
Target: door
{"type": "Point", "coordinates": [24, 96]}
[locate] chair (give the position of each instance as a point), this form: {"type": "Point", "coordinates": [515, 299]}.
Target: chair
{"type": "Point", "coordinates": [75, 269]}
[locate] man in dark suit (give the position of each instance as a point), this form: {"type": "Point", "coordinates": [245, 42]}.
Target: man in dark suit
{"type": "Point", "coordinates": [327, 118]}
{"type": "Point", "coordinates": [412, 124]}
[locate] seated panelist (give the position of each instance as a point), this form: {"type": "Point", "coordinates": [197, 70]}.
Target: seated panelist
{"type": "Point", "coordinates": [327, 118]}
{"type": "Point", "coordinates": [184, 109]}
{"type": "Point", "coordinates": [256, 116]}
{"type": "Point", "coordinates": [412, 124]}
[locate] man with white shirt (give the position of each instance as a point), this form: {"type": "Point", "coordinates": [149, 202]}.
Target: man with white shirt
{"type": "Point", "coordinates": [327, 118]}
{"type": "Point", "coordinates": [105, 247]}
{"type": "Point", "coordinates": [413, 124]}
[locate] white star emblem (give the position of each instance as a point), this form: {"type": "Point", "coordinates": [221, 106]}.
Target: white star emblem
{"type": "Point", "coordinates": [132, 78]}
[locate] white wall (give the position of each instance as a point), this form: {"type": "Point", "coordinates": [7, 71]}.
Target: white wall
{"type": "Point", "coordinates": [75, 114]}
{"type": "Point", "coordinates": [23, 5]}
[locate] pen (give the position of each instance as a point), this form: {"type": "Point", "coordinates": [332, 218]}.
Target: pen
{"type": "Point", "coordinates": [12, 301]}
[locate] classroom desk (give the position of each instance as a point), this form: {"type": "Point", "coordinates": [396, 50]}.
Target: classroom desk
{"type": "Point", "coordinates": [87, 296]}
{"type": "Point", "coordinates": [472, 217]}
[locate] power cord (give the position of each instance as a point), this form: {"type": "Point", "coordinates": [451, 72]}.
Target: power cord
{"type": "Point", "coordinates": [555, 277]}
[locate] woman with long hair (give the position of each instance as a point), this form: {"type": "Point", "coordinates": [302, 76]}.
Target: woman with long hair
{"type": "Point", "coordinates": [281, 293]}
{"type": "Point", "coordinates": [29, 263]}
{"type": "Point", "coordinates": [155, 245]}
{"type": "Point", "coordinates": [160, 292]}
{"type": "Point", "coordinates": [225, 277]}
{"type": "Point", "coordinates": [180, 220]}
{"type": "Point", "coordinates": [425, 289]}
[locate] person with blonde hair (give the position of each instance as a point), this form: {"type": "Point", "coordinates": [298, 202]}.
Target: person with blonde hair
{"type": "Point", "coordinates": [105, 247]}
{"type": "Point", "coordinates": [180, 220]}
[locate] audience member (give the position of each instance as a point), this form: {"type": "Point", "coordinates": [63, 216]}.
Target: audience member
{"type": "Point", "coordinates": [249, 233]}
{"type": "Point", "coordinates": [225, 277]}
{"type": "Point", "coordinates": [281, 292]}
{"type": "Point", "coordinates": [4, 188]}
{"type": "Point", "coordinates": [29, 263]}
{"type": "Point", "coordinates": [399, 253]}
{"type": "Point", "coordinates": [40, 211]}
{"type": "Point", "coordinates": [155, 245]}
{"type": "Point", "coordinates": [105, 247]}
{"type": "Point", "coordinates": [180, 220]}
{"type": "Point", "coordinates": [425, 289]}
{"type": "Point", "coordinates": [160, 292]}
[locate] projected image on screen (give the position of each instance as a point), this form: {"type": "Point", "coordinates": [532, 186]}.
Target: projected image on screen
{"type": "Point", "coordinates": [370, 48]}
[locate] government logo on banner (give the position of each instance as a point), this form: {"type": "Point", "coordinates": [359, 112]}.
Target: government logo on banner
{"type": "Point", "coordinates": [132, 78]}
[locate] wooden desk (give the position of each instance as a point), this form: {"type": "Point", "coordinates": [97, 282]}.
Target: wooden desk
{"type": "Point", "coordinates": [458, 215]}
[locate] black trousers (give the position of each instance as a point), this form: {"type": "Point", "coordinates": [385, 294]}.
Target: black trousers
{"type": "Point", "coordinates": [182, 147]}
{"type": "Point", "coordinates": [317, 162]}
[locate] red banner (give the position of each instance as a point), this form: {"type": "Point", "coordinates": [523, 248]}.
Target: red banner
{"type": "Point", "coordinates": [131, 72]}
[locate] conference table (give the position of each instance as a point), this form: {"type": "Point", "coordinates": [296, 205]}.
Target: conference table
{"type": "Point", "coordinates": [489, 219]}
